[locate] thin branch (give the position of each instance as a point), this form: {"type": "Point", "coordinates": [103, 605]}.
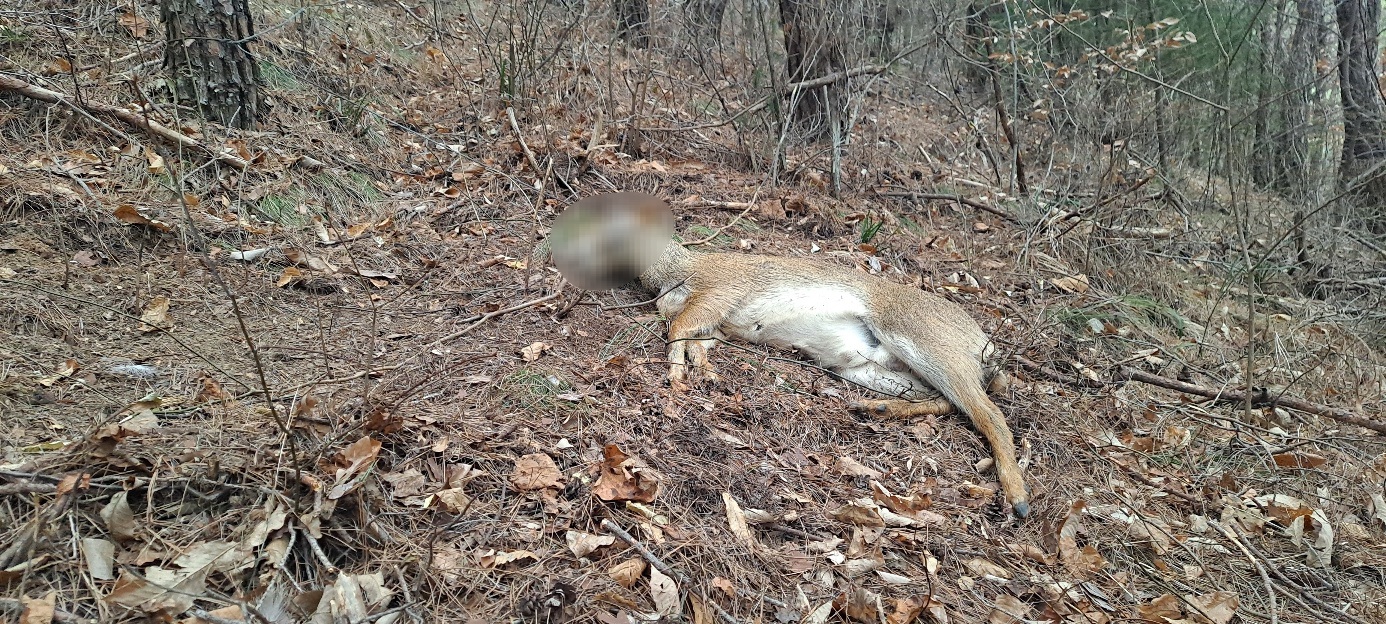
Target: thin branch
{"type": "Point", "coordinates": [17, 85]}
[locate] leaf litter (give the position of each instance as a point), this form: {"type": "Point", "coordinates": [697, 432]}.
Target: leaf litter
{"type": "Point", "coordinates": [482, 487]}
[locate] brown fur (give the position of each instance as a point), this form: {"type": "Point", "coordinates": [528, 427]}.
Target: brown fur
{"type": "Point", "coordinates": [895, 339]}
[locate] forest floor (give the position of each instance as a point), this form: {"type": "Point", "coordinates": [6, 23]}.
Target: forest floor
{"type": "Point", "coordinates": [331, 384]}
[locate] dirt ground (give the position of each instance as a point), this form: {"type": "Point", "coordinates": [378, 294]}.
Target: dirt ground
{"type": "Point", "coordinates": [338, 388]}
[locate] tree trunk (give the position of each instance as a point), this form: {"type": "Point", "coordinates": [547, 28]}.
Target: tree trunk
{"type": "Point", "coordinates": [1364, 129]}
{"type": "Point", "coordinates": [633, 22]}
{"type": "Point", "coordinates": [705, 19]}
{"type": "Point", "coordinates": [1263, 162]}
{"type": "Point", "coordinates": [1292, 156]}
{"type": "Point", "coordinates": [213, 71]}
{"type": "Point", "coordinates": [810, 52]}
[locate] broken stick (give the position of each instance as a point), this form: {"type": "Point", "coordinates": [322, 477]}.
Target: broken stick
{"type": "Point", "coordinates": [10, 83]}
{"type": "Point", "coordinates": [1259, 397]}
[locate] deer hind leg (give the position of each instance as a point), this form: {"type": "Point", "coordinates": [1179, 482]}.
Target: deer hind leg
{"type": "Point", "coordinates": [691, 334]}
{"type": "Point", "coordinates": [925, 402]}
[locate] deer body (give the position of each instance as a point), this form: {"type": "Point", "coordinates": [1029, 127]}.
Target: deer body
{"type": "Point", "coordinates": [891, 338]}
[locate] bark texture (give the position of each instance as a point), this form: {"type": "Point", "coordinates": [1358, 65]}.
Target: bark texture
{"type": "Point", "coordinates": [206, 51]}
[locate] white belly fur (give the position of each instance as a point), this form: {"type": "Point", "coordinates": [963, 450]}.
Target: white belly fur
{"type": "Point", "coordinates": [824, 322]}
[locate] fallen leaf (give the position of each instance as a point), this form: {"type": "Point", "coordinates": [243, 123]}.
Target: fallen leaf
{"type": "Point", "coordinates": [249, 255]}
{"type": "Point", "coordinates": [155, 315]}
{"type": "Point", "coordinates": [861, 605]}
{"type": "Point", "coordinates": [1163, 610]}
{"type": "Point", "coordinates": [353, 462]}
{"type": "Point", "coordinates": [64, 371]}
{"type": "Point", "coordinates": [454, 500]}
{"type": "Point", "coordinates": [1073, 284]}
{"type": "Point", "coordinates": [86, 259]}
{"type": "Point", "coordinates": [1215, 608]}
{"type": "Point", "coordinates": [582, 544]}
{"type": "Point", "coordinates": [906, 610]}
{"type": "Point", "coordinates": [493, 559]}
{"type": "Point", "coordinates": [38, 610]}
{"type": "Point", "coordinates": [352, 598]}
{"type": "Point", "coordinates": [736, 519]}
{"type": "Point", "coordinates": [627, 572]}
{"type": "Point", "coordinates": [128, 214]}
{"type": "Point", "coordinates": [849, 467]}
{"type": "Point", "coordinates": [138, 26]}
{"type": "Point", "coordinates": [665, 594]}
{"type": "Point", "coordinates": [533, 351]}
{"type": "Point", "coordinates": [1300, 460]}
{"type": "Point", "coordinates": [100, 557]}
{"type": "Point", "coordinates": [411, 482]}
{"type": "Point", "coordinates": [821, 614]}
{"type": "Point", "coordinates": [1008, 610]}
{"type": "Point", "coordinates": [156, 162]}
{"type": "Point", "coordinates": [624, 478]}
{"type": "Point", "coordinates": [119, 518]}
{"type": "Point", "coordinates": [863, 514]}
{"type": "Point", "coordinates": [536, 471]}
{"type": "Point", "coordinates": [172, 591]}
{"type": "Point", "coordinates": [981, 567]}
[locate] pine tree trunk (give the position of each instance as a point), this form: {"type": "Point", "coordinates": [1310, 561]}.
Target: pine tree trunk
{"type": "Point", "coordinates": [810, 52]}
{"type": "Point", "coordinates": [213, 71]}
{"type": "Point", "coordinates": [633, 22]}
{"type": "Point", "coordinates": [705, 18]}
{"type": "Point", "coordinates": [1364, 128]}
{"type": "Point", "coordinates": [1292, 154]}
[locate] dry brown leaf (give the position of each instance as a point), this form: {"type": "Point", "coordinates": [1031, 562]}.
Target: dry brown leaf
{"type": "Point", "coordinates": [130, 215]}
{"type": "Point", "coordinates": [737, 520]}
{"type": "Point", "coordinates": [172, 591]}
{"type": "Point", "coordinates": [1009, 610]}
{"type": "Point", "coordinates": [665, 594]}
{"type": "Point", "coordinates": [533, 351]}
{"type": "Point", "coordinates": [1074, 284]}
{"type": "Point", "coordinates": [623, 478]}
{"type": "Point", "coordinates": [119, 518]}
{"type": "Point", "coordinates": [64, 371]}
{"type": "Point", "coordinates": [353, 462]}
{"type": "Point", "coordinates": [1215, 608]}
{"type": "Point", "coordinates": [38, 610]}
{"type": "Point", "coordinates": [454, 500]}
{"type": "Point", "coordinates": [582, 544]}
{"type": "Point", "coordinates": [210, 391]}
{"type": "Point", "coordinates": [905, 505]}
{"type": "Point", "coordinates": [861, 605]}
{"type": "Point", "coordinates": [493, 559]}
{"type": "Point", "coordinates": [1162, 610]}
{"type": "Point", "coordinates": [906, 610]}
{"type": "Point", "coordinates": [156, 162]}
{"type": "Point", "coordinates": [1152, 532]}
{"type": "Point", "coordinates": [863, 514]}
{"type": "Point", "coordinates": [351, 598]}
{"type": "Point", "coordinates": [1300, 460]}
{"type": "Point", "coordinates": [849, 467]}
{"type": "Point", "coordinates": [536, 471]}
{"type": "Point", "coordinates": [627, 572]}
{"type": "Point", "coordinates": [155, 315]}
{"type": "Point", "coordinates": [1064, 543]}
{"type": "Point", "coordinates": [410, 482]}
{"type": "Point", "coordinates": [138, 26]}
{"type": "Point", "coordinates": [981, 567]}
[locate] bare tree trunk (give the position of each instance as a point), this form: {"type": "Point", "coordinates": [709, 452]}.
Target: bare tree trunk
{"type": "Point", "coordinates": [633, 21]}
{"type": "Point", "coordinates": [1263, 163]}
{"type": "Point", "coordinates": [1364, 126]}
{"type": "Point", "coordinates": [1292, 155]}
{"type": "Point", "coordinates": [705, 18]}
{"type": "Point", "coordinates": [213, 71]}
{"type": "Point", "coordinates": [810, 52]}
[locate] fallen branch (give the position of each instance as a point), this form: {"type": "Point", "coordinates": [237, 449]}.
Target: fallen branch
{"type": "Point", "coordinates": [486, 317]}
{"type": "Point", "coordinates": [1054, 375]}
{"type": "Point", "coordinates": [1259, 397]}
{"type": "Point", "coordinates": [10, 83]}
{"type": "Point", "coordinates": [952, 198]}
{"type": "Point", "coordinates": [668, 571]}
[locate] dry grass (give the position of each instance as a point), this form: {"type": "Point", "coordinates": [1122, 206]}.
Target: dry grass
{"type": "Point", "coordinates": [243, 426]}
